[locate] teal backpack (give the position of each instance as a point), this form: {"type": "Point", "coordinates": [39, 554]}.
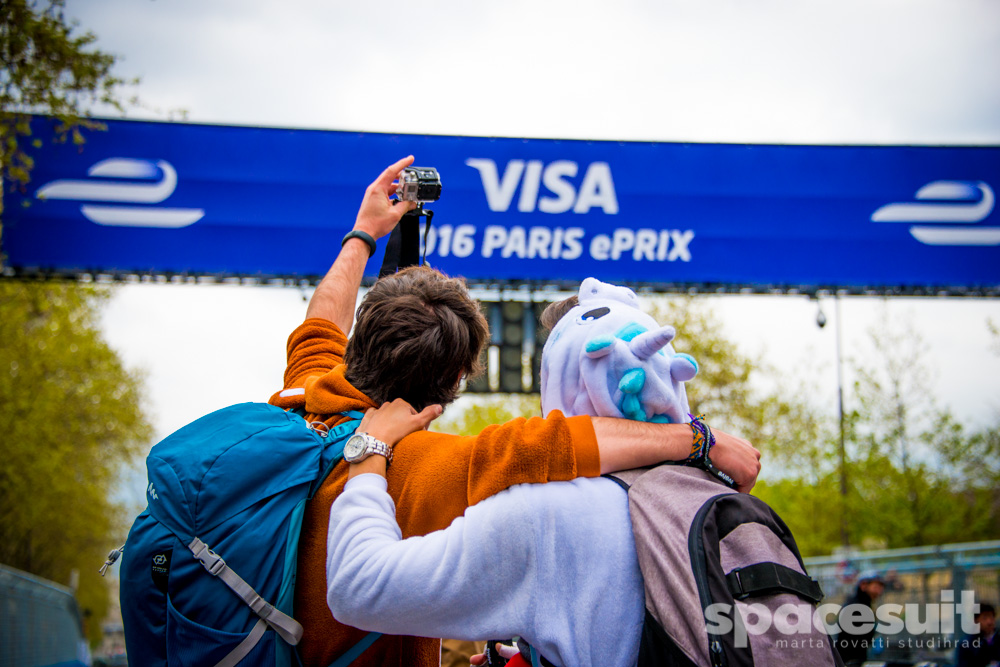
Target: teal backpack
{"type": "Point", "coordinates": [208, 571]}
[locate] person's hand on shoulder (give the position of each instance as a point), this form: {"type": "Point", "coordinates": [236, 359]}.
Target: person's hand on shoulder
{"type": "Point", "coordinates": [390, 423]}
{"type": "Point", "coordinates": [397, 419]}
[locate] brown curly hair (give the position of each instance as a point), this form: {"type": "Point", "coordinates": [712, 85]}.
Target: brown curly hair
{"type": "Point", "coordinates": [417, 333]}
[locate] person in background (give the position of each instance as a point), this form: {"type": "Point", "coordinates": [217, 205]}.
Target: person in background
{"type": "Point", "coordinates": [983, 649]}
{"type": "Point", "coordinates": [853, 648]}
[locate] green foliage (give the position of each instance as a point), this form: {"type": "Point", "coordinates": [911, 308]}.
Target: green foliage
{"type": "Point", "coordinates": [50, 70]}
{"type": "Point", "coordinates": [71, 423]}
{"type": "Point", "coordinates": [914, 476]}
{"type": "Point", "coordinates": [473, 413]}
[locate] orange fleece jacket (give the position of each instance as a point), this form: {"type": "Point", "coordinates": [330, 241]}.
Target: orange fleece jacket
{"type": "Point", "coordinates": [433, 478]}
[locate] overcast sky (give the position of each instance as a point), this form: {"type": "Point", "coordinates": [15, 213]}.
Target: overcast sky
{"type": "Point", "coordinates": [843, 71]}
{"type": "Point", "coordinates": [849, 71]}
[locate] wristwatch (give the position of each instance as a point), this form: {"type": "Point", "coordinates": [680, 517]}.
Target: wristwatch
{"type": "Point", "coordinates": [361, 445]}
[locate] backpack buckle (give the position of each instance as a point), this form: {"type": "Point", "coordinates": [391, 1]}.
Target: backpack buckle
{"type": "Point", "coordinates": [736, 585]}
{"type": "Point", "coordinates": [208, 558]}
{"type": "Point", "coordinates": [322, 429]}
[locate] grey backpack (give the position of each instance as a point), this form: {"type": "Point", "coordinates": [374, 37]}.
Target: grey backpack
{"type": "Point", "coordinates": [725, 584]}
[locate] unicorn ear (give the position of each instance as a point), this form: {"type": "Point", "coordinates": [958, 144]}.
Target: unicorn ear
{"type": "Point", "coordinates": [683, 367]}
{"type": "Point", "coordinates": [590, 288]}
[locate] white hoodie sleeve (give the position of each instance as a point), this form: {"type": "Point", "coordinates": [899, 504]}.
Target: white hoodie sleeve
{"type": "Point", "coordinates": [478, 584]}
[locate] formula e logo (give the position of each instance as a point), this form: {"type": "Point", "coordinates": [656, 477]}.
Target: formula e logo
{"type": "Point", "coordinates": [948, 202]}
{"type": "Point", "coordinates": [151, 490]}
{"type": "Point", "coordinates": [596, 190]}
{"type": "Point", "coordinates": [161, 180]}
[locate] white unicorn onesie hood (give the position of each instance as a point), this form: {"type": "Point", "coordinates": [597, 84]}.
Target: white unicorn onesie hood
{"type": "Point", "coordinates": [607, 358]}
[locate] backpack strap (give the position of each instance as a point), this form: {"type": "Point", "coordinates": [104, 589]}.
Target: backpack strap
{"type": "Point", "coordinates": [286, 626]}
{"type": "Point", "coordinates": [531, 655]}
{"type": "Point", "coordinates": [339, 432]}
{"type": "Point", "coordinates": [356, 650]}
{"type": "Point", "coordinates": [620, 482]}
{"type": "Point", "coordinates": [244, 646]}
{"type": "Point", "coordinates": [767, 578]}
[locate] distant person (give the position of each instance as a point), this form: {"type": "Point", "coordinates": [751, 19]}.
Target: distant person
{"type": "Point", "coordinates": [853, 648]}
{"type": "Point", "coordinates": [983, 649]}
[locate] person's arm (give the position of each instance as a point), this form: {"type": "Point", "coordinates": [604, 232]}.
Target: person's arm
{"type": "Point", "coordinates": [335, 296]}
{"type": "Point", "coordinates": [378, 582]}
{"type": "Point", "coordinates": [624, 444]}
{"type": "Point", "coordinates": [319, 343]}
{"type": "Point", "coordinates": [560, 448]}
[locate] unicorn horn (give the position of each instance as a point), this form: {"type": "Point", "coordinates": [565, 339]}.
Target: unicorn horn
{"type": "Point", "coordinates": [647, 344]}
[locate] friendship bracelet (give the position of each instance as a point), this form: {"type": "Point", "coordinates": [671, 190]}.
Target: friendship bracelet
{"type": "Point", "coordinates": [702, 444]}
{"type": "Point", "coordinates": [702, 439]}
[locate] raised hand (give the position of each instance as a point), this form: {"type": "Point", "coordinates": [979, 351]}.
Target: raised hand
{"type": "Point", "coordinates": [379, 214]}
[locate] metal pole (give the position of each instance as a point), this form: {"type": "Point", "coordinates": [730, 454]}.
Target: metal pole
{"type": "Point", "coordinates": [844, 539]}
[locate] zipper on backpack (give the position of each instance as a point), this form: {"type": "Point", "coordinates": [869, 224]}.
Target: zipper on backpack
{"type": "Point", "coordinates": [715, 653]}
{"type": "Point", "coordinates": [696, 551]}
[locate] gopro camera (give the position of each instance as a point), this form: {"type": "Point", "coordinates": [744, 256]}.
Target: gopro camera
{"type": "Point", "coordinates": [419, 184]}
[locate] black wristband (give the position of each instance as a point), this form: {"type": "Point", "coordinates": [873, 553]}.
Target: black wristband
{"type": "Point", "coordinates": [364, 236]}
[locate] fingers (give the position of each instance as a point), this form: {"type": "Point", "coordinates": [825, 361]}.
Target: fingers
{"type": "Point", "coordinates": [401, 405]}
{"type": "Point", "coordinates": [478, 659]}
{"type": "Point", "coordinates": [421, 419]}
{"type": "Point", "coordinates": [428, 414]}
{"type": "Point", "coordinates": [507, 651]}
{"type": "Point", "coordinates": [391, 172]}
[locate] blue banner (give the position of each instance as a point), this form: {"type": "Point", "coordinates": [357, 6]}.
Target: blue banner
{"type": "Point", "coordinates": [159, 198]}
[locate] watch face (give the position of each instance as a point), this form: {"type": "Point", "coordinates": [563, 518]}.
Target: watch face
{"type": "Point", "coordinates": [354, 447]}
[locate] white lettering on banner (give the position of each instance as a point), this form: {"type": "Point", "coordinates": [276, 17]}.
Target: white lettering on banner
{"type": "Point", "coordinates": [599, 247]}
{"type": "Point", "coordinates": [553, 177]}
{"type": "Point", "coordinates": [640, 245]}
{"type": "Point", "coordinates": [572, 240]}
{"type": "Point", "coordinates": [457, 241]}
{"type": "Point", "coordinates": [533, 243]}
{"type": "Point", "coordinates": [541, 242]}
{"type": "Point", "coordinates": [680, 248]}
{"type": "Point", "coordinates": [596, 191]}
{"type": "Point", "coordinates": [529, 187]}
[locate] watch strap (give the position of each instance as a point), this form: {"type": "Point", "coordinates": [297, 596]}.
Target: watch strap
{"type": "Point", "coordinates": [364, 236]}
{"type": "Point", "coordinates": [376, 446]}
